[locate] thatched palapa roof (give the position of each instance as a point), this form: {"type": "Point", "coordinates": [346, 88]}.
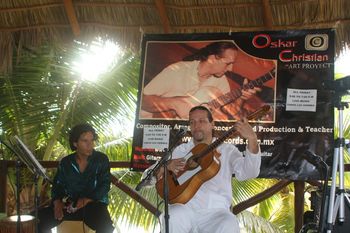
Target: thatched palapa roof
{"type": "Point", "coordinates": [31, 22]}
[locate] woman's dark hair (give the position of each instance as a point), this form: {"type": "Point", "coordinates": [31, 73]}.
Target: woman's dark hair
{"type": "Point", "coordinates": [200, 107]}
{"type": "Point", "coordinates": [216, 48]}
{"type": "Point", "coordinates": [78, 130]}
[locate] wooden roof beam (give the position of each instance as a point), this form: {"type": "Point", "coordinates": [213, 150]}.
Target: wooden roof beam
{"type": "Point", "coordinates": [72, 17]}
{"type": "Point", "coordinates": [163, 15]}
{"type": "Point", "coordinates": [330, 24]}
{"type": "Point", "coordinates": [267, 14]}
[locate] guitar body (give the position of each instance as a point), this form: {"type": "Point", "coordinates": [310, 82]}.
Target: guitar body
{"type": "Point", "coordinates": [183, 186]}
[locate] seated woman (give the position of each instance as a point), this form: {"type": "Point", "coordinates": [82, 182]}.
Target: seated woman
{"type": "Point", "coordinates": [81, 186]}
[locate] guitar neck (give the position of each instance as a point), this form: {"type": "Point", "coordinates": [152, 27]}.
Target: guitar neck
{"type": "Point", "coordinates": [231, 96]}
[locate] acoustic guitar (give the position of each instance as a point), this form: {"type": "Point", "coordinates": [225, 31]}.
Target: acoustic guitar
{"type": "Point", "coordinates": [215, 100]}
{"type": "Point", "coordinates": [202, 163]}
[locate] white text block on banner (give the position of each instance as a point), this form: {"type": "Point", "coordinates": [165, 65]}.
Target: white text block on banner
{"type": "Point", "coordinates": [155, 138]}
{"type": "Point", "coordinates": [301, 100]}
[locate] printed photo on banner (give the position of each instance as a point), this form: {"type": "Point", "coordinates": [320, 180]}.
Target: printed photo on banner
{"type": "Point", "coordinates": [216, 74]}
{"type": "Point", "coordinates": [235, 75]}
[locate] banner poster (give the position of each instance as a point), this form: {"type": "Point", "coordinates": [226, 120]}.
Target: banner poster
{"type": "Point", "coordinates": [288, 70]}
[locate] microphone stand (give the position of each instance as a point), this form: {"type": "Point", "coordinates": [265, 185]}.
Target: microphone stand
{"type": "Point", "coordinates": [163, 162]}
{"type": "Point", "coordinates": [166, 192]}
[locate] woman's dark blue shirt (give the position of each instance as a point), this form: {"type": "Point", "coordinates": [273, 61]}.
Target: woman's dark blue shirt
{"type": "Point", "coordinates": [93, 183]}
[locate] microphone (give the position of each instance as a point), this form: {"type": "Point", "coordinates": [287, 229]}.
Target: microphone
{"type": "Point", "coordinates": [147, 179]}
{"type": "Point", "coordinates": [145, 183]}
{"type": "Point", "coordinates": [181, 132]}
{"type": "Point", "coordinates": [312, 158]}
{"type": "Point", "coordinates": [318, 162]}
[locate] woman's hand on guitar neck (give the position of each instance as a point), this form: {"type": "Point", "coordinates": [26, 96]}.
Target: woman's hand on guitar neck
{"type": "Point", "coordinates": [174, 165]}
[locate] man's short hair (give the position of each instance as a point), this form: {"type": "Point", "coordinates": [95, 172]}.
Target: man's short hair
{"type": "Point", "coordinates": [78, 130]}
{"type": "Point", "coordinates": [200, 107]}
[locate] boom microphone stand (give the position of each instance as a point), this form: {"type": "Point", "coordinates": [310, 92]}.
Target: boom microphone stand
{"type": "Point", "coordinates": [337, 200]}
{"type": "Point", "coordinates": [154, 169]}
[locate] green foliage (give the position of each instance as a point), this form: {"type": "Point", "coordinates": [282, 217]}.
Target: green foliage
{"type": "Point", "coordinates": [250, 223]}
{"type": "Point", "coordinates": [42, 98]}
{"type": "Point", "coordinates": [128, 209]}
{"type": "Point", "coordinates": [270, 211]}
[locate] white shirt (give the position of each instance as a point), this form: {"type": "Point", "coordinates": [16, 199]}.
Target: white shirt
{"type": "Point", "coordinates": [181, 79]}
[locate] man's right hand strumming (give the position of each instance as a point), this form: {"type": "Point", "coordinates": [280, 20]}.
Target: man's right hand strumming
{"type": "Point", "coordinates": [174, 165]}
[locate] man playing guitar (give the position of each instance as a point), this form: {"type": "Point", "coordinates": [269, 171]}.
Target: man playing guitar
{"type": "Point", "coordinates": [208, 209]}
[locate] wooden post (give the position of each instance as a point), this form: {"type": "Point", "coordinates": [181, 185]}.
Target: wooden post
{"type": "Point", "coordinates": [299, 187]}
{"type": "Point", "coordinates": [163, 15]}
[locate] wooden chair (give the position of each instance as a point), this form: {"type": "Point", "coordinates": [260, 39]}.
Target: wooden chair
{"type": "Point", "coordinates": [73, 227]}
